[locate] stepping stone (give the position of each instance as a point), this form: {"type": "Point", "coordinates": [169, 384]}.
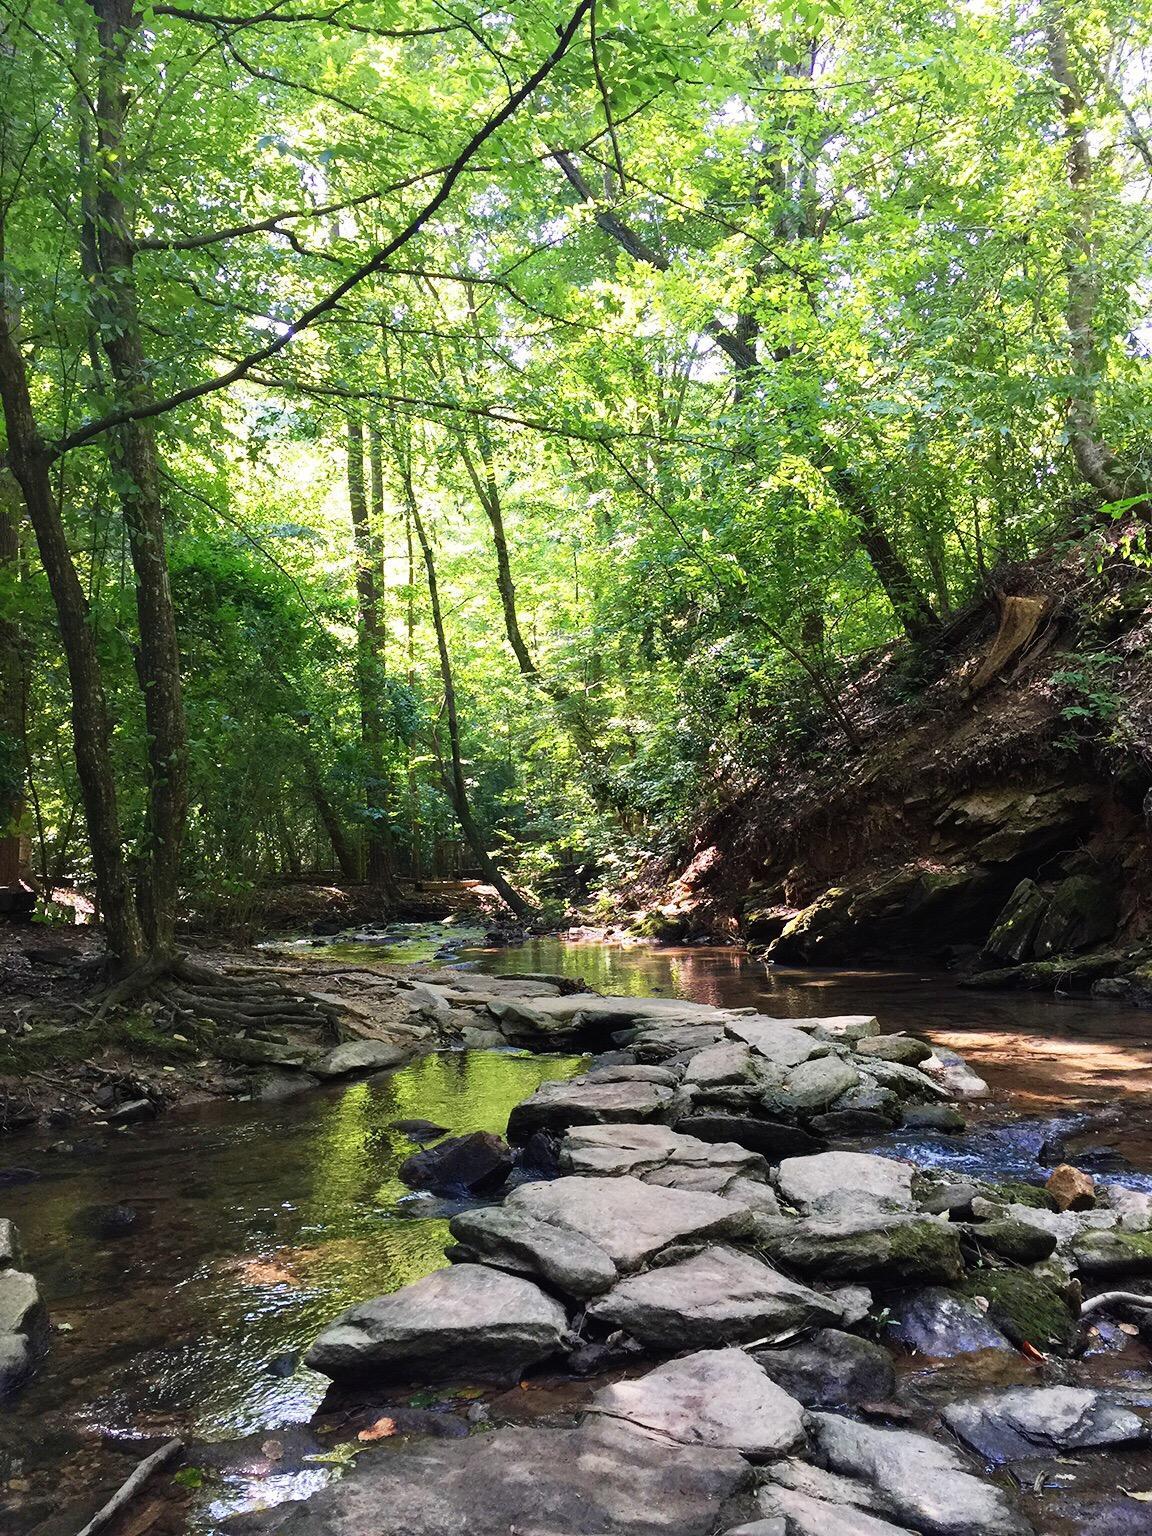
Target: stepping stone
{"type": "Point", "coordinates": [1026, 1422]}
{"type": "Point", "coordinates": [899, 1048]}
{"type": "Point", "coordinates": [457, 1324]}
{"type": "Point", "coordinates": [777, 1041]}
{"type": "Point", "coordinates": [922, 1483]}
{"type": "Point", "coordinates": [568, 1260]}
{"type": "Point", "coordinates": [814, 1085]}
{"type": "Point", "coordinates": [954, 1075]}
{"type": "Point", "coordinates": [717, 1065]}
{"type": "Point", "coordinates": [721, 1296]}
{"type": "Point", "coordinates": [717, 1397]}
{"type": "Point", "coordinates": [656, 1154]}
{"type": "Point", "coordinates": [21, 1309]}
{"type": "Point", "coordinates": [852, 1182]}
{"type": "Point", "coordinates": [631, 1221]}
{"type": "Point", "coordinates": [841, 1028]}
{"type": "Point", "coordinates": [557, 1105]}
{"type": "Point", "coordinates": [655, 1043]}
{"type": "Point", "coordinates": [804, 1515]}
{"type": "Point", "coordinates": [606, 1478]}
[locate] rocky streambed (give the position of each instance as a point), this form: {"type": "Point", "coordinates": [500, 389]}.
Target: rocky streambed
{"type": "Point", "coordinates": [744, 1290]}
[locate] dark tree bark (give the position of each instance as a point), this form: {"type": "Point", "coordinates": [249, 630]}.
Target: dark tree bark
{"type": "Point", "coordinates": [347, 858]}
{"type": "Point", "coordinates": [379, 857]}
{"type": "Point", "coordinates": [135, 456]}
{"type": "Point", "coordinates": [91, 725]}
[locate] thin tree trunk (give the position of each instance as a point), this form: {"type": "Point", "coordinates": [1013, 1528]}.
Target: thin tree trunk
{"type": "Point", "coordinates": [1097, 462]}
{"type": "Point", "coordinates": [91, 725]}
{"type": "Point", "coordinates": [347, 859]}
{"type": "Point", "coordinates": [457, 785]}
{"type": "Point", "coordinates": [379, 859]}
{"type": "Point", "coordinates": [134, 454]}
{"type": "Point", "coordinates": [11, 685]}
{"type": "Point", "coordinates": [900, 586]}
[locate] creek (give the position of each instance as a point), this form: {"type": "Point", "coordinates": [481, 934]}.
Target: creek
{"type": "Point", "coordinates": [259, 1222]}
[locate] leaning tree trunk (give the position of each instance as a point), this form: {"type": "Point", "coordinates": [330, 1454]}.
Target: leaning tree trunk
{"type": "Point", "coordinates": [91, 724]}
{"type": "Point", "coordinates": [136, 459]}
{"type": "Point", "coordinates": [457, 785]}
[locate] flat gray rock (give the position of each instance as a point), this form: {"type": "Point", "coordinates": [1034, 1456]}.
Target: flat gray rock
{"type": "Point", "coordinates": [658, 1155]}
{"type": "Point", "coordinates": [666, 1077]}
{"type": "Point", "coordinates": [922, 1483]}
{"type": "Point", "coordinates": [716, 1397]}
{"type": "Point", "coordinates": [605, 1478]}
{"type": "Point", "coordinates": [1025, 1422]}
{"type": "Point", "coordinates": [629, 1219]}
{"type": "Point", "coordinates": [457, 1324]}
{"type": "Point", "coordinates": [557, 1105]}
{"type": "Point", "coordinates": [842, 1028]}
{"type": "Point", "coordinates": [854, 1182]}
{"type": "Point", "coordinates": [356, 1058]}
{"type": "Point", "coordinates": [776, 1040]}
{"type": "Point", "coordinates": [659, 1042]}
{"type": "Point", "coordinates": [566, 1259]}
{"type": "Point", "coordinates": [718, 1297]}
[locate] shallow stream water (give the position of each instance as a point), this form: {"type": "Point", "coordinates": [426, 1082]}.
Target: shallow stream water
{"type": "Point", "coordinates": [261, 1221]}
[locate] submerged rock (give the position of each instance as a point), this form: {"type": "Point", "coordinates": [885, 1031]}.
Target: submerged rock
{"type": "Point", "coordinates": [921, 1483]}
{"type": "Point", "coordinates": [721, 1296]}
{"type": "Point", "coordinates": [457, 1324]}
{"type": "Point", "coordinates": [631, 1221]}
{"type": "Point", "coordinates": [1023, 1422]}
{"type": "Point", "coordinates": [477, 1165]}
{"type": "Point", "coordinates": [831, 1369]}
{"type": "Point", "coordinates": [717, 1397]}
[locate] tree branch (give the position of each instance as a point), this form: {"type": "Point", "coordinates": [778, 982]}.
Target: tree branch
{"type": "Point", "coordinates": [373, 265]}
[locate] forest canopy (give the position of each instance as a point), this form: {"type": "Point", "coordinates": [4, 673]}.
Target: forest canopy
{"type": "Point", "coordinates": [444, 437]}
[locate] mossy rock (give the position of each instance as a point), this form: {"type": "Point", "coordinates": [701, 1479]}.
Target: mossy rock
{"type": "Point", "coordinates": [1113, 1252]}
{"type": "Point", "coordinates": [1016, 1192]}
{"type": "Point", "coordinates": [1017, 1241]}
{"type": "Point", "coordinates": [1026, 1309]}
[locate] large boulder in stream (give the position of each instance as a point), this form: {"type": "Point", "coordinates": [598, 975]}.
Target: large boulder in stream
{"type": "Point", "coordinates": [606, 1478]}
{"type": "Point", "coordinates": [881, 1250]}
{"type": "Point", "coordinates": [718, 1297]}
{"type": "Point", "coordinates": [856, 1182]}
{"type": "Point", "coordinates": [567, 1260]}
{"type": "Point", "coordinates": [463, 1323]}
{"type": "Point", "coordinates": [630, 1220]}
{"type": "Point", "coordinates": [358, 1058]}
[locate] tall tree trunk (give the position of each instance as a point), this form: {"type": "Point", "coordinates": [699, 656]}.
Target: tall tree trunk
{"type": "Point", "coordinates": [11, 685]}
{"type": "Point", "coordinates": [135, 456]}
{"type": "Point", "coordinates": [1097, 462]}
{"type": "Point", "coordinates": [347, 859]}
{"type": "Point", "coordinates": [379, 859]}
{"type": "Point", "coordinates": [901, 588]}
{"type": "Point", "coordinates": [91, 724]}
{"type": "Point", "coordinates": [457, 785]}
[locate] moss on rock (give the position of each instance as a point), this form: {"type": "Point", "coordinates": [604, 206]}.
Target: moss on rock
{"type": "Point", "coordinates": [1026, 1308]}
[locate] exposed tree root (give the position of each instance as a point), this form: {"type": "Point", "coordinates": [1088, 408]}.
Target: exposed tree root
{"type": "Point", "coordinates": [189, 991]}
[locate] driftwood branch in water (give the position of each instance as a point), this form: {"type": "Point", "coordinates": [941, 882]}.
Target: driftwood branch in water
{"type": "Point", "coordinates": [131, 1486]}
{"type": "Point", "coordinates": [1108, 1299]}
